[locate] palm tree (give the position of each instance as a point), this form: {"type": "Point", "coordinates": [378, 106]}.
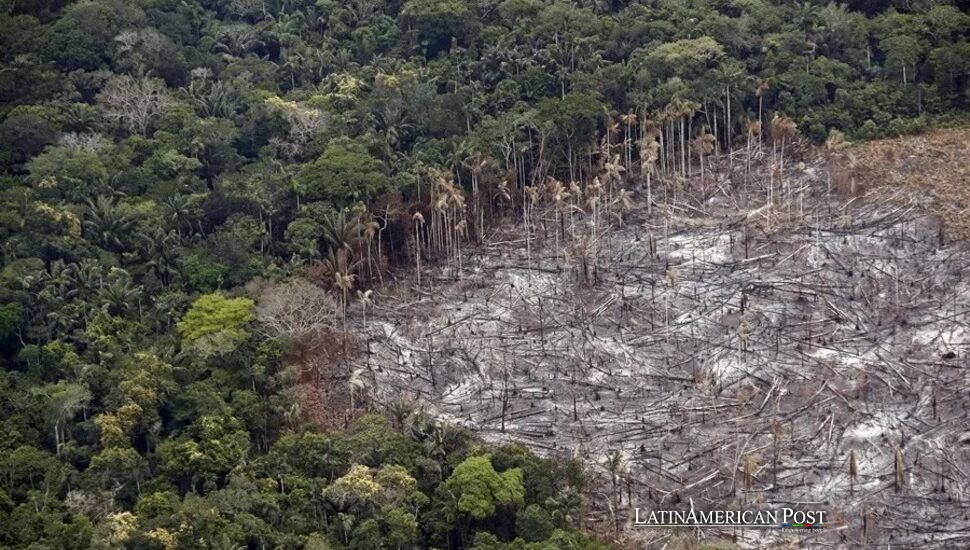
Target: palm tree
{"type": "Point", "coordinates": [65, 400]}
{"type": "Point", "coordinates": [460, 226]}
{"type": "Point", "coordinates": [687, 112]}
{"type": "Point", "coordinates": [564, 56]}
{"type": "Point", "coordinates": [681, 110]}
{"type": "Point", "coordinates": [371, 227]}
{"type": "Point", "coordinates": [623, 203]}
{"type": "Point", "coordinates": [364, 299]}
{"type": "Point", "coordinates": [106, 222]}
{"type": "Point", "coordinates": [159, 252]}
{"type": "Point", "coordinates": [753, 131]}
{"type": "Point", "coordinates": [418, 223]}
{"type": "Point", "coordinates": [81, 117]}
{"type": "Point", "coordinates": [344, 281]}
{"type": "Point", "coordinates": [380, 232]}
{"type": "Point", "coordinates": [705, 146]}
{"type": "Point", "coordinates": [629, 121]}
{"type": "Point", "coordinates": [340, 232]}
{"type": "Point", "coordinates": [559, 196]}
{"type": "Point", "coordinates": [576, 193]}
{"type": "Point", "coordinates": [119, 294]}
{"type": "Point", "coordinates": [355, 384]}
{"type": "Point", "coordinates": [461, 232]}
{"type": "Point", "coordinates": [649, 155]}
{"type": "Point", "coordinates": [528, 204]}
{"type": "Point", "coordinates": [729, 74]}
{"type": "Point", "coordinates": [476, 164]}
{"type": "Point", "coordinates": [213, 98]}
{"type": "Point", "coordinates": [783, 129]}
{"type": "Point", "coordinates": [614, 171]}
{"type": "Point", "coordinates": [670, 113]}
{"type": "Point", "coordinates": [180, 211]}
{"type": "Point", "coordinates": [763, 86]}
{"type": "Point", "coordinates": [286, 28]}
{"type": "Point", "coordinates": [593, 201]}
{"type": "Point", "coordinates": [805, 16]}
{"type": "Point", "coordinates": [236, 40]}
{"type": "Point", "coordinates": [338, 270]}
{"type": "Point", "coordinates": [399, 411]}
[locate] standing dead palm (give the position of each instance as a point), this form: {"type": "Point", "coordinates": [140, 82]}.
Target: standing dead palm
{"type": "Point", "coordinates": [705, 144]}
{"type": "Point", "coordinates": [476, 164]}
{"type": "Point", "coordinates": [783, 131]}
{"type": "Point", "coordinates": [528, 204]}
{"type": "Point", "coordinates": [649, 155]}
{"type": "Point", "coordinates": [364, 298]}
{"type": "Point", "coordinates": [559, 196]}
{"type": "Point", "coordinates": [418, 220]}
{"type": "Point", "coordinates": [370, 229]}
{"type": "Point", "coordinates": [760, 91]}
{"type": "Point", "coordinates": [629, 121]}
{"type": "Point", "coordinates": [344, 281]}
{"type": "Point", "coordinates": [355, 384]}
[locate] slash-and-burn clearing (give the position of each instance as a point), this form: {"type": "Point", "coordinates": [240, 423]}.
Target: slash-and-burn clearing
{"type": "Point", "coordinates": [717, 349]}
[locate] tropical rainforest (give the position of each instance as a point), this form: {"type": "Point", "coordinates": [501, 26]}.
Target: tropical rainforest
{"type": "Point", "coordinates": [196, 194]}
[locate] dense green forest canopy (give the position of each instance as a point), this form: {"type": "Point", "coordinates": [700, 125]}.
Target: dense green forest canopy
{"type": "Point", "coordinates": [162, 160]}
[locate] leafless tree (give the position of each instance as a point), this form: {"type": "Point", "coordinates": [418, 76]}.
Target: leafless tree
{"type": "Point", "coordinates": [133, 103]}
{"type": "Point", "coordinates": [304, 124]}
{"type": "Point", "coordinates": [297, 309]}
{"type": "Point", "coordinates": [136, 48]}
{"type": "Point", "coordinates": [88, 142]}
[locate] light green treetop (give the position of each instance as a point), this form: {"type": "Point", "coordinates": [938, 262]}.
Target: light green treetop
{"type": "Point", "coordinates": [216, 324]}
{"type": "Point", "coordinates": [480, 489]}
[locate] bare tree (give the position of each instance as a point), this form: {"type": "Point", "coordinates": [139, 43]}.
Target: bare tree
{"type": "Point", "coordinates": [136, 48]}
{"type": "Point", "coordinates": [133, 103]}
{"type": "Point", "coordinates": [296, 309]}
{"type": "Point", "coordinates": [304, 124]}
{"type": "Point", "coordinates": [88, 142]}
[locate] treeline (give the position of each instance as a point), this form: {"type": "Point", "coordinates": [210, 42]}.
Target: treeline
{"type": "Point", "coordinates": [160, 160]}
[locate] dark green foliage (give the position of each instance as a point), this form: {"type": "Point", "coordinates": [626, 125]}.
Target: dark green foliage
{"type": "Point", "coordinates": [534, 523]}
{"type": "Point", "coordinates": [11, 319]}
{"type": "Point", "coordinates": [343, 174]}
{"type": "Point", "coordinates": [439, 22]}
{"type": "Point", "coordinates": [24, 135]}
{"type": "Point", "coordinates": [81, 38]}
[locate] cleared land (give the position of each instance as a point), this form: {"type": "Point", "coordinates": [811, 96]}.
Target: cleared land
{"type": "Point", "coordinates": [722, 350]}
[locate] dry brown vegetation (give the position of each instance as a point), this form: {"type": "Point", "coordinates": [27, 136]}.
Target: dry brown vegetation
{"type": "Point", "coordinates": [323, 389]}
{"type": "Point", "coordinates": [936, 163]}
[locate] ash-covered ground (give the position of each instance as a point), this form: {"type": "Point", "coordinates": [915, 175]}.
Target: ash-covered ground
{"type": "Point", "coordinates": [811, 355]}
